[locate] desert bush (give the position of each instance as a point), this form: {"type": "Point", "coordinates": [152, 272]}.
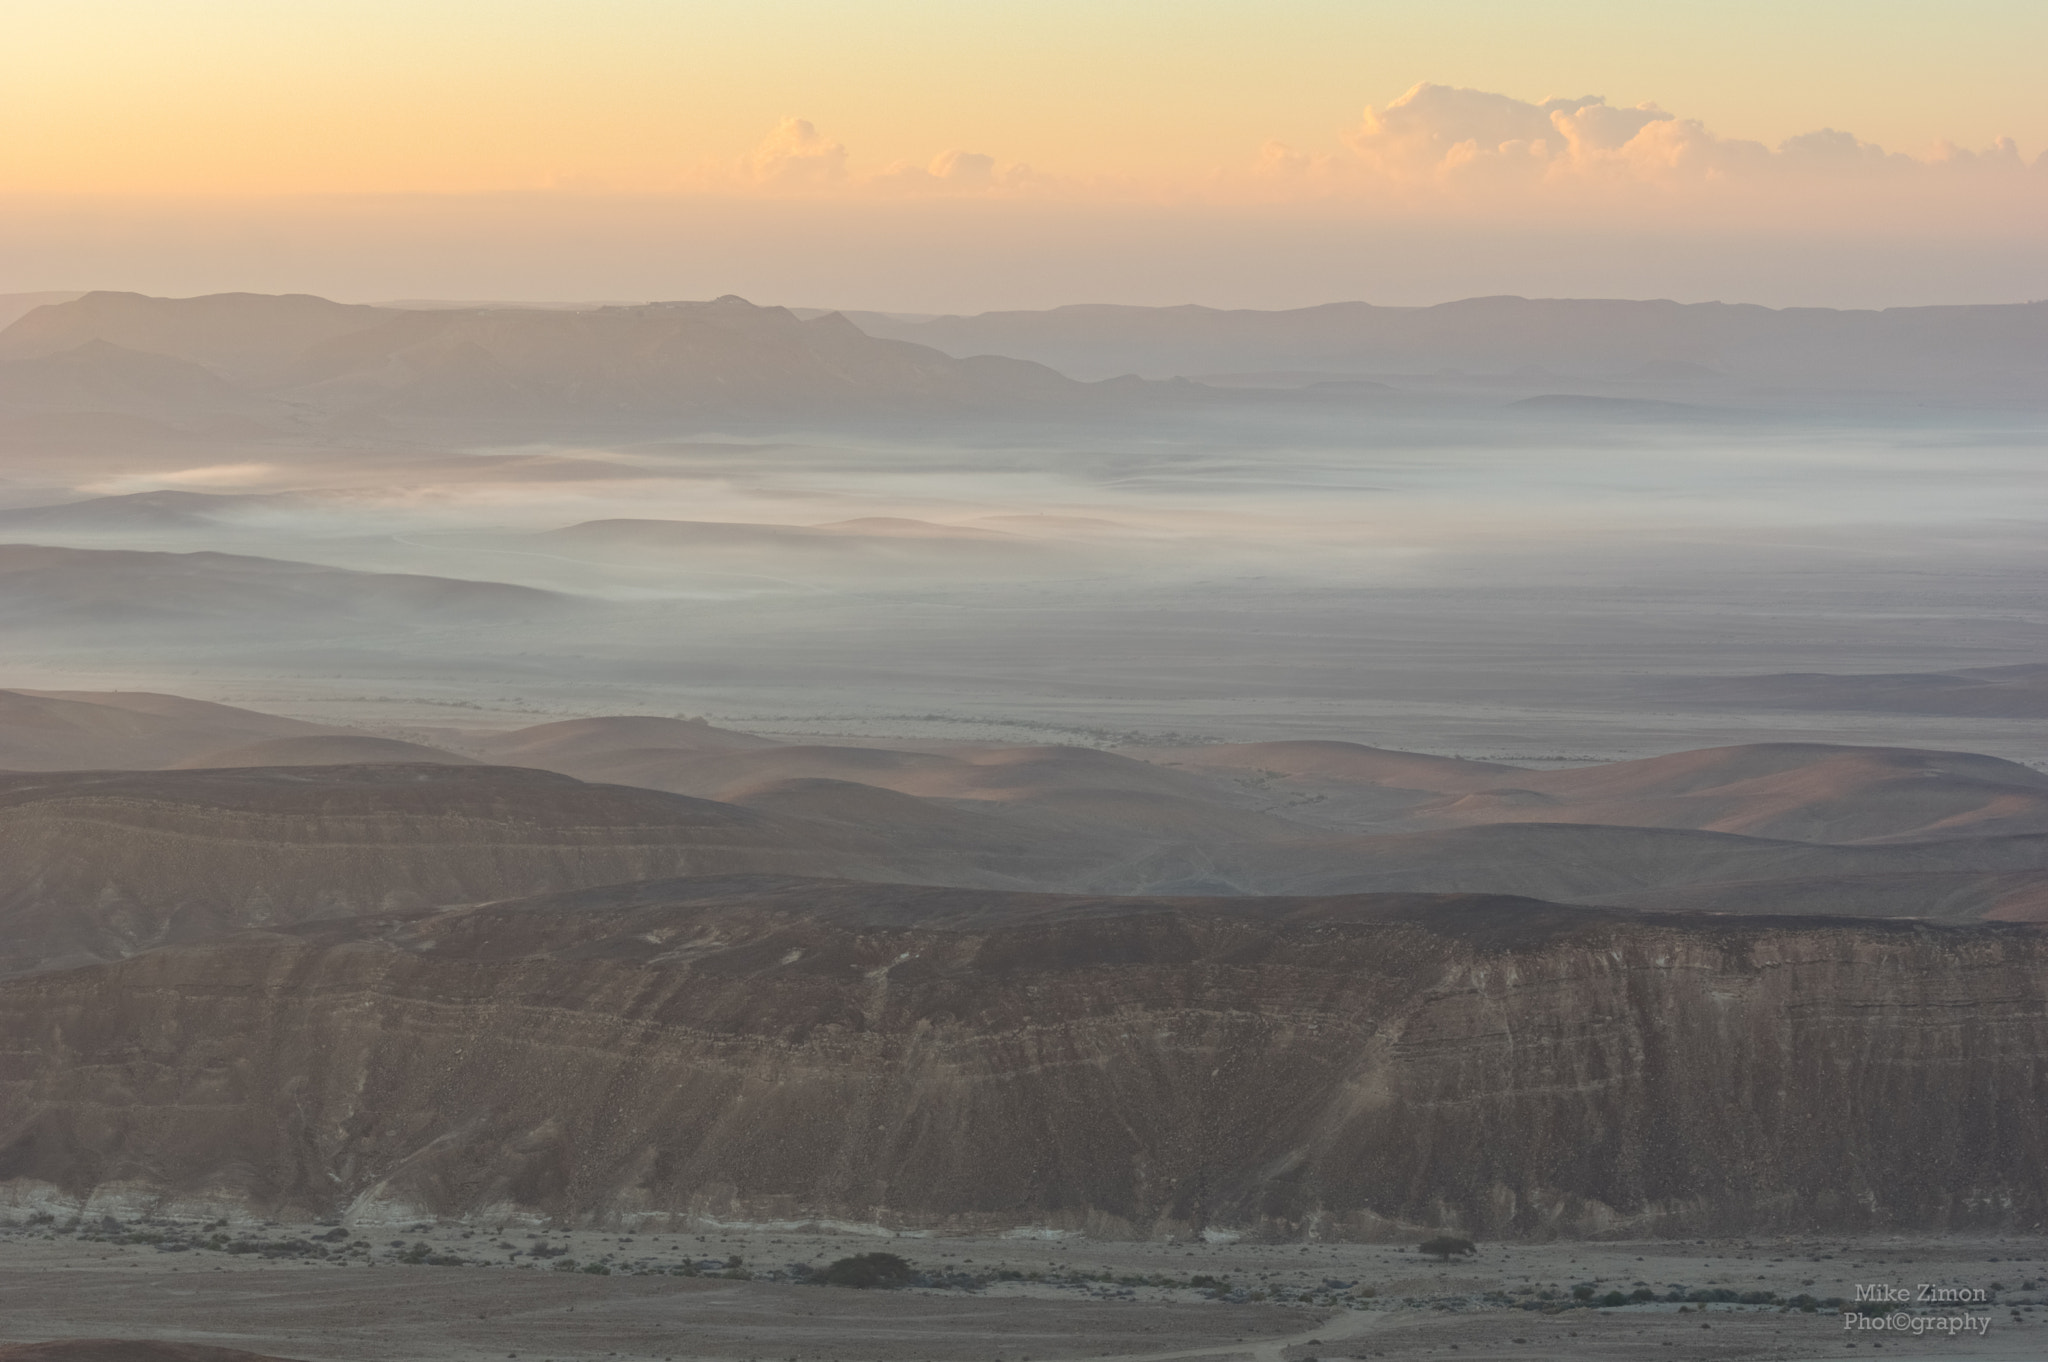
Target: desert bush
{"type": "Point", "coordinates": [866, 1271]}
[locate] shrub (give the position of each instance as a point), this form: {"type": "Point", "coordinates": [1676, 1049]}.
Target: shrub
{"type": "Point", "coordinates": [867, 1271]}
{"type": "Point", "coordinates": [1444, 1246]}
{"type": "Point", "coordinates": [1613, 1298]}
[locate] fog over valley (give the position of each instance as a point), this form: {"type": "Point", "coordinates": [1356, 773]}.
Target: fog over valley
{"type": "Point", "coordinates": [1496, 564]}
{"type": "Point", "coordinates": [1123, 832]}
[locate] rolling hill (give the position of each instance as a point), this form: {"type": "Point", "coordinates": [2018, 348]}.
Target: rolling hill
{"type": "Point", "coordinates": [85, 730]}
{"type": "Point", "coordinates": [48, 588]}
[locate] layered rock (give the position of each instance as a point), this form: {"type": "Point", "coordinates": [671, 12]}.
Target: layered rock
{"type": "Point", "coordinates": [778, 1050]}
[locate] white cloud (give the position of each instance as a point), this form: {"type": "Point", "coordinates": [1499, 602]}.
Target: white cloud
{"type": "Point", "coordinates": [1439, 137]}
{"type": "Point", "coordinates": [796, 156]}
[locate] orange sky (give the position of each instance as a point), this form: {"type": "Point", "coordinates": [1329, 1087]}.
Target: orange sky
{"type": "Point", "coordinates": [157, 143]}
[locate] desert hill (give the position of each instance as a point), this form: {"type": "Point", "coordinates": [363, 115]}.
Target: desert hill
{"type": "Point", "coordinates": [100, 865]}
{"type": "Point", "coordinates": [1980, 350]}
{"type": "Point", "coordinates": [756, 1049]}
{"type": "Point", "coordinates": [102, 377]}
{"type": "Point", "coordinates": [1804, 792]}
{"type": "Point", "coordinates": [242, 336]}
{"type": "Point", "coordinates": [2016, 692]}
{"type": "Point", "coordinates": [581, 739]}
{"type": "Point", "coordinates": [327, 749]}
{"type": "Point", "coordinates": [132, 512]}
{"type": "Point", "coordinates": [827, 552]}
{"type": "Point", "coordinates": [1960, 879]}
{"type": "Point", "coordinates": [85, 730]}
{"type": "Point", "coordinates": [1771, 829]}
{"type": "Point", "coordinates": [70, 589]}
{"type": "Point", "coordinates": [13, 306]}
{"type": "Point", "coordinates": [1801, 791]}
{"type": "Point", "coordinates": [1340, 784]}
{"type": "Point", "coordinates": [1005, 773]}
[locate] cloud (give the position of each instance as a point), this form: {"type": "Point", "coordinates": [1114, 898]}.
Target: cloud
{"type": "Point", "coordinates": [948, 172]}
{"type": "Point", "coordinates": [1444, 139]}
{"type": "Point", "coordinates": [213, 475]}
{"type": "Point", "coordinates": [795, 156]}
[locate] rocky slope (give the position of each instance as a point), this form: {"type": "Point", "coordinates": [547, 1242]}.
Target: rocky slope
{"type": "Point", "coordinates": [99, 865]}
{"type": "Point", "coordinates": [758, 1050]}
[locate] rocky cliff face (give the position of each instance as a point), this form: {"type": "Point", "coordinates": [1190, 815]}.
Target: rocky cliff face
{"type": "Point", "coordinates": [759, 1050]}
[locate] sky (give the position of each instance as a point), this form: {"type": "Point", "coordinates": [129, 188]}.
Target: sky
{"type": "Point", "coordinates": [922, 156]}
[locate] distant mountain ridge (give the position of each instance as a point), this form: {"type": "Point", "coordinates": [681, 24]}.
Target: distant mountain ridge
{"type": "Point", "coordinates": [1990, 349]}
{"type": "Point", "coordinates": [292, 359]}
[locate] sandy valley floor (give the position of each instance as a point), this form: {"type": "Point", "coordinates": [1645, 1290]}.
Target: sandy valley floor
{"type": "Point", "coordinates": [1341, 1301]}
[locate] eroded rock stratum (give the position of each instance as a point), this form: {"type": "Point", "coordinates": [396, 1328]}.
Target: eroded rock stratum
{"type": "Point", "coordinates": [752, 1049]}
